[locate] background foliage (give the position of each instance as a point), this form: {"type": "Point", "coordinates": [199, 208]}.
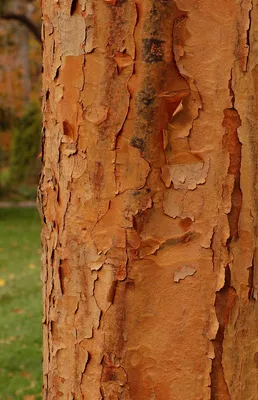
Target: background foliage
{"type": "Point", "coordinates": [20, 120]}
{"type": "Point", "coordinates": [24, 164]}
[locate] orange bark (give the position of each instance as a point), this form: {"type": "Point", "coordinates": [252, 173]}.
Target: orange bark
{"type": "Point", "coordinates": [148, 194]}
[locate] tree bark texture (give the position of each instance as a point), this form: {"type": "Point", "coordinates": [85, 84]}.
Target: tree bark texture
{"type": "Point", "coordinates": [149, 199]}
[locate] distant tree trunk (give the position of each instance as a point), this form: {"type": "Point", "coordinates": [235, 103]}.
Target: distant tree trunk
{"type": "Point", "coordinates": [22, 38]}
{"type": "Point", "coordinates": [21, 11]}
{"type": "Point", "coordinates": [7, 76]}
{"type": "Point", "coordinates": [26, 22]}
{"type": "Point", "coordinates": [149, 199]}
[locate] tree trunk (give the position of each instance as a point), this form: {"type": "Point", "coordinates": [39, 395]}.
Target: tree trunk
{"type": "Point", "coordinates": [148, 196]}
{"type": "Point", "coordinates": [22, 38]}
{"type": "Point", "coordinates": [8, 101]}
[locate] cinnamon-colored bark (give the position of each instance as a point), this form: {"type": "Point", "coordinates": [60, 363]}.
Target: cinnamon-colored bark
{"type": "Point", "coordinates": [148, 196]}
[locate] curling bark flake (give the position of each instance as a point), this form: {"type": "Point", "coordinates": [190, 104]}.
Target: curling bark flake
{"type": "Point", "coordinates": [148, 198]}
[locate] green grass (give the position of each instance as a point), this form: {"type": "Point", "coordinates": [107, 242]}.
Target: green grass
{"type": "Point", "coordinates": [20, 305]}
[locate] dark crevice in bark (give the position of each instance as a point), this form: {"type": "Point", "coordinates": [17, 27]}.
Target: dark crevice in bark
{"type": "Point", "coordinates": [112, 292]}
{"type": "Point", "coordinates": [248, 33]}
{"type": "Point", "coordinates": [251, 280]}
{"type": "Point", "coordinates": [61, 278]}
{"type": "Point", "coordinates": [73, 6]}
{"type": "Point", "coordinates": [233, 145]}
{"type": "Point", "coordinates": [212, 247]}
{"type": "Point", "coordinates": [225, 298]}
{"type": "Point", "coordinates": [231, 91]}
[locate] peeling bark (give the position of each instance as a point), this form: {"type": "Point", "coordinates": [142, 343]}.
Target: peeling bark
{"type": "Point", "coordinates": [148, 198]}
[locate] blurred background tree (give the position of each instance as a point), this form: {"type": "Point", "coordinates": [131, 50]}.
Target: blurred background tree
{"type": "Point", "coordinates": [20, 128]}
{"type": "Point", "coordinates": [20, 82]}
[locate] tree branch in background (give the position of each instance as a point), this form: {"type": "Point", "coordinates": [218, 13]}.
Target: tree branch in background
{"type": "Point", "coordinates": [34, 29]}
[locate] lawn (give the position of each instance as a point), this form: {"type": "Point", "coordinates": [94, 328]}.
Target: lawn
{"type": "Point", "coordinates": [20, 305]}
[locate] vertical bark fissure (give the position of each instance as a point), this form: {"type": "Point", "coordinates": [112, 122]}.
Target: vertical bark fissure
{"type": "Point", "coordinates": [251, 280]}
{"type": "Point", "coordinates": [233, 145]}
{"type": "Point", "coordinates": [226, 296]}
{"type": "Point", "coordinates": [225, 299]}
{"type": "Point", "coordinates": [244, 34]}
{"type": "Point", "coordinates": [74, 4]}
{"type": "Point", "coordinates": [248, 43]}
